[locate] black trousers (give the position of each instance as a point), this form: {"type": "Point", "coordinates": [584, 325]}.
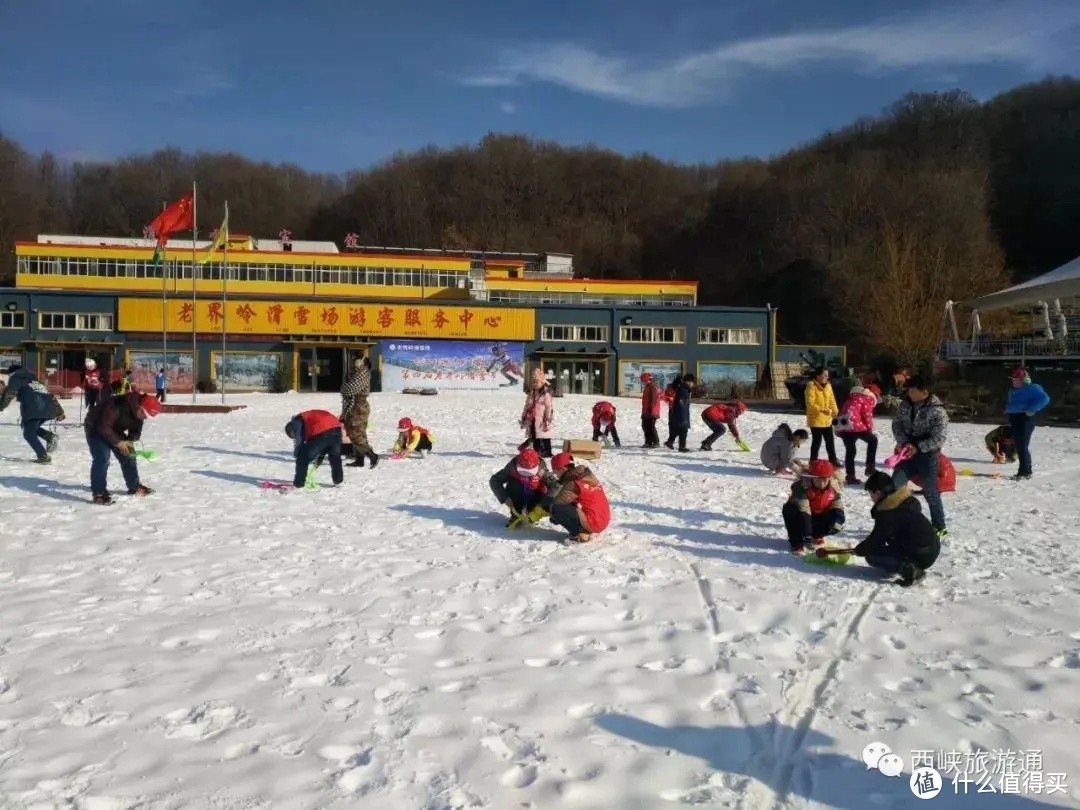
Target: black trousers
{"type": "Point", "coordinates": [327, 443]}
{"type": "Point", "coordinates": [611, 431]}
{"type": "Point", "coordinates": [819, 435]}
{"type": "Point", "coordinates": [718, 429]}
{"type": "Point", "coordinates": [851, 451]}
{"type": "Point", "coordinates": [648, 427]}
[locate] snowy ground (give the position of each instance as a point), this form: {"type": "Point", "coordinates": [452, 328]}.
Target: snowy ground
{"type": "Point", "coordinates": [390, 644]}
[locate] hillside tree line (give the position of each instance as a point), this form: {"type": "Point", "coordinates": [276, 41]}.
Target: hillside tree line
{"type": "Point", "coordinates": [858, 237]}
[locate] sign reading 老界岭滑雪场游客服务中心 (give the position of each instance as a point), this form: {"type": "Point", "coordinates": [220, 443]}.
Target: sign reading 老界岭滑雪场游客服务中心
{"type": "Point", "coordinates": [251, 317]}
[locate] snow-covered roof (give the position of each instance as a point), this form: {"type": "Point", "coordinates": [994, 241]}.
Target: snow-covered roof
{"type": "Point", "coordinates": [1064, 282]}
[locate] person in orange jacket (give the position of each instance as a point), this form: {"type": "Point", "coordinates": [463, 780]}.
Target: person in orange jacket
{"type": "Point", "coordinates": [315, 434]}
{"type": "Point", "coordinates": [651, 397]}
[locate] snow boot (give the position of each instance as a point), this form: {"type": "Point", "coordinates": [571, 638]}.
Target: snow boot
{"type": "Point", "coordinates": [52, 443]}
{"type": "Point", "coordinates": [141, 491]}
{"type": "Point", "coordinates": [910, 574]}
{"type": "Point", "coordinates": [358, 461]}
{"type": "Point", "coordinates": [852, 481]}
{"type": "Point", "coordinates": [103, 499]}
{"type": "Point", "coordinates": [373, 458]}
{"type": "Point", "coordinates": [45, 459]}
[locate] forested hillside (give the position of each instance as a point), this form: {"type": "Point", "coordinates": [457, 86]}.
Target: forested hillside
{"type": "Point", "coordinates": [857, 237]}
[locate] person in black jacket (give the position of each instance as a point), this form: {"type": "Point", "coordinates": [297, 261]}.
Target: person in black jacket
{"type": "Point", "coordinates": [903, 541]}
{"type": "Point", "coordinates": [679, 414]}
{"type": "Point", "coordinates": [36, 406]}
{"type": "Point", "coordinates": [112, 427]}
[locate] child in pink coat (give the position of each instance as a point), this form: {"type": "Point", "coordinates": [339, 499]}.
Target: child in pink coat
{"type": "Point", "coordinates": [538, 415]}
{"type": "Point", "coordinates": [856, 423]}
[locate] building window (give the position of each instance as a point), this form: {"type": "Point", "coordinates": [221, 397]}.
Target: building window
{"type": "Point", "coordinates": [12, 320]}
{"type": "Point", "coordinates": [729, 337]}
{"type": "Point", "coordinates": [574, 334]}
{"type": "Point", "coordinates": [74, 321]}
{"type": "Point", "coordinates": [652, 334]}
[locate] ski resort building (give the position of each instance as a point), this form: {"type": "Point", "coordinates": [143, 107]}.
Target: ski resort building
{"type": "Point", "coordinates": [272, 315]}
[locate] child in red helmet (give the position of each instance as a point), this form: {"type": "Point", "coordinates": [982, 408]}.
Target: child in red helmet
{"type": "Point", "coordinates": [412, 437]}
{"type": "Point", "coordinates": [721, 417]}
{"type": "Point", "coordinates": [522, 484]}
{"type": "Point", "coordinates": [603, 422]}
{"type": "Point", "coordinates": [816, 506]}
{"type": "Point", "coordinates": [580, 505]}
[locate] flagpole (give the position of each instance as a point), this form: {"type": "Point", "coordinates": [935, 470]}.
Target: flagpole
{"type": "Point", "coordinates": [224, 301]}
{"type": "Point", "coordinates": [194, 310]}
{"type": "Point", "coordinates": [164, 308]}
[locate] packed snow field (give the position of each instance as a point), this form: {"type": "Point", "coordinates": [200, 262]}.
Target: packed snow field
{"type": "Point", "coordinates": [389, 643]}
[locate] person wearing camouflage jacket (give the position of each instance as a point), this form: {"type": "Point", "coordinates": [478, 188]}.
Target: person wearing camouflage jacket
{"type": "Point", "coordinates": [356, 411]}
{"type": "Point", "coordinates": [920, 428]}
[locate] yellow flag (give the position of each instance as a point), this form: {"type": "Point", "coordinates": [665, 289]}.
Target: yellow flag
{"type": "Point", "coordinates": [220, 240]}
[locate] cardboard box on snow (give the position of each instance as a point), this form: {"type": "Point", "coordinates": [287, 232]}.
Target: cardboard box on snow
{"type": "Point", "coordinates": [582, 448]}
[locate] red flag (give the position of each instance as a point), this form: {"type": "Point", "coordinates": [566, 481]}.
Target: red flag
{"type": "Point", "coordinates": [177, 217]}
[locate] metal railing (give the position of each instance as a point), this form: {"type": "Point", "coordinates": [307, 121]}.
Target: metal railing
{"type": "Point", "coordinates": [1020, 348]}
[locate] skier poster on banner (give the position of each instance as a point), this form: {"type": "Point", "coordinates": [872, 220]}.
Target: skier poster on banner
{"type": "Point", "coordinates": [451, 364]}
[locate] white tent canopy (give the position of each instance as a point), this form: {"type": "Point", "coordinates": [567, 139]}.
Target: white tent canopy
{"type": "Point", "coordinates": [1061, 283]}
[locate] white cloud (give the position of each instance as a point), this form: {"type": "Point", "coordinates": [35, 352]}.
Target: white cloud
{"type": "Point", "coordinates": [1014, 32]}
{"type": "Point", "coordinates": [508, 107]}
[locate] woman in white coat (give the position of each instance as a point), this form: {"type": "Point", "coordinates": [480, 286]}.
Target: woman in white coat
{"type": "Point", "coordinates": [538, 416]}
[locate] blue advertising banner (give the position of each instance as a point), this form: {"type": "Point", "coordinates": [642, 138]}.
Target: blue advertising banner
{"type": "Point", "coordinates": [451, 364]}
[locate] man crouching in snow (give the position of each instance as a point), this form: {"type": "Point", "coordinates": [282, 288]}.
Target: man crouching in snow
{"type": "Point", "coordinates": [903, 541]}
{"type": "Point", "coordinates": [315, 434]}
{"type": "Point", "coordinates": [580, 504]}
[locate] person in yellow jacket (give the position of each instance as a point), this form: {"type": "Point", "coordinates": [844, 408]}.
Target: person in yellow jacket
{"type": "Point", "coordinates": [412, 438]}
{"type": "Point", "coordinates": [821, 413]}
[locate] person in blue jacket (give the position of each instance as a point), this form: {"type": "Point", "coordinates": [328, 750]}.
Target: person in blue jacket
{"type": "Point", "coordinates": [160, 381]}
{"type": "Point", "coordinates": [1025, 400]}
{"type": "Point", "coordinates": [680, 410]}
{"type": "Point", "coordinates": [37, 406]}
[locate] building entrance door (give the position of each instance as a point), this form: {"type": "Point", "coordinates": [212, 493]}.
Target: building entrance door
{"type": "Point", "coordinates": [579, 376]}
{"type": "Point", "coordinates": [324, 368]}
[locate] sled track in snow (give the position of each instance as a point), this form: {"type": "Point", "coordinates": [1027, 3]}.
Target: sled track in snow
{"type": "Point", "coordinates": [792, 723]}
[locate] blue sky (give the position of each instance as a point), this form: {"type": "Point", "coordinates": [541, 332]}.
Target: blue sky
{"type": "Point", "coordinates": [334, 85]}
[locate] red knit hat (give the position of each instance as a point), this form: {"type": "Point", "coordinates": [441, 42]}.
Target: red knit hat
{"type": "Point", "coordinates": [528, 459]}
{"type": "Point", "coordinates": [404, 423]}
{"type": "Point", "coordinates": [821, 468]}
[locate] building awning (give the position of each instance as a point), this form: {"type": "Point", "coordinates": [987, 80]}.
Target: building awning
{"type": "Point", "coordinates": [584, 351]}
{"type": "Point", "coordinates": [1064, 282]}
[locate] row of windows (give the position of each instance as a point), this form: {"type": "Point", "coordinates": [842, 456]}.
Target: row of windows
{"type": "Point", "coordinates": [574, 334]}
{"type": "Point", "coordinates": [677, 334]}
{"type": "Point", "coordinates": [622, 300]}
{"type": "Point", "coordinates": [76, 321]}
{"type": "Point", "coordinates": [12, 320]}
{"type": "Point", "coordinates": [243, 271]}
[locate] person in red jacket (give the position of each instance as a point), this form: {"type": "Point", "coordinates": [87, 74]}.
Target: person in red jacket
{"type": "Point", "coordinates": [521, 485]}
{"type": "Point", "coordinates": [815, 507]}
{"type": "Point", "coordinates": [580, 504]}
{"type": "Point", "coordinates": [315, 435]}
{"type": "Point", "coordinates": [92, 383]}
{"type": "Point", "coordinates": [856, 424]}
{"type": "Point", "coordinates": [721, 417]}
{"type": "Point", "coordinates": [603, 422]}
{"type": "Point", "coordinates": [651, 397]}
